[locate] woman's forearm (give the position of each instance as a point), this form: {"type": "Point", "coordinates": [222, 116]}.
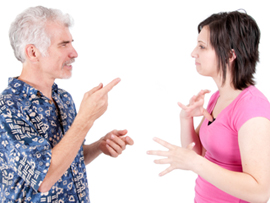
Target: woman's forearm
{"type": "Point", "coordinates": [238, 184]}
{"type": "Point", "coordinates": [189, 135]}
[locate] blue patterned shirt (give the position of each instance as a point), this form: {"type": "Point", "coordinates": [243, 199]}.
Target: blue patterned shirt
{"type": "Point", "coordinates": [30, 126]}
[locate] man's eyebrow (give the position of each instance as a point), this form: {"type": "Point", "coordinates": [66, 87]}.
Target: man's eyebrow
{"type": "Point", "coordinates": [65, 42]}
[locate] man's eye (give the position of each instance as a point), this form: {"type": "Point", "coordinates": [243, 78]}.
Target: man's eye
{"type": "Point", "coordinates": [64, 44]}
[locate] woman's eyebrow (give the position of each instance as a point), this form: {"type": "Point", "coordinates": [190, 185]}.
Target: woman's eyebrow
{"type": "Point", "coordinates": [200, 41]}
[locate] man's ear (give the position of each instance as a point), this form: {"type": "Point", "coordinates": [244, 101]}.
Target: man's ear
{"type": "Point", "coordinates": [31, 52]}
{"type": "Point", "coordinates": [232, 56]}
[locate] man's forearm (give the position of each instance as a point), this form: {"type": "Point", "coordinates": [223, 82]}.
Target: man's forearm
{"type": "Point", "coordinates": [64, 153]}
{"type": "Point", "coordinates": [91, 152]}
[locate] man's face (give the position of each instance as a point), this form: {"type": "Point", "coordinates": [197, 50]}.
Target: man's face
{"type": "Point", "coordinates": [60, 54]}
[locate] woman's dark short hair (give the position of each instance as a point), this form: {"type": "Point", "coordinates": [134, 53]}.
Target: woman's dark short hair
{"type": "Point", "coordinates": [240, 32]}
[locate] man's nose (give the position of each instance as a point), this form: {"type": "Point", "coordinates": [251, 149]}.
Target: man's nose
{"type": "Point", "coordinates": [73, 53]}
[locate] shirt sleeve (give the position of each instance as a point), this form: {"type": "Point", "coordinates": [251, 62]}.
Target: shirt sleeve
{"type": "Point", "coordinates": [25, 152]}
{"type": "Point", "coordinates": [250, 107]}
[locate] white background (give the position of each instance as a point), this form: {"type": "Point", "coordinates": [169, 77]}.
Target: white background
{"type": "Point", "coordinates": [147, 43]}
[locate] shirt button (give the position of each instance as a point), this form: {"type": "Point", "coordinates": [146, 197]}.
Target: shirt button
{"type": "Point", "coordinates": [50, 101]}
{"type": "Point", "coordinates": [38, 93]}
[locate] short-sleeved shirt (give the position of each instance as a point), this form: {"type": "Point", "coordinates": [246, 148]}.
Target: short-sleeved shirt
{"type": "Point", "coordinates": [220, 139]}
{"type": "Point", "coordinates": [30, 126]}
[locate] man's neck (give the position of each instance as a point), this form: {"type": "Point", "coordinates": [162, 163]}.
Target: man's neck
{"type": "Point", "coordinates": [36, 79]}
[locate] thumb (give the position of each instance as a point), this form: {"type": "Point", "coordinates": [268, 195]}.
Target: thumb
{"type": "Point", "coordinates": [92, 91]}
{"type": "Point", "coordinates": [207, 115]}
{"type": "Point", "coordinates": [191, 145]}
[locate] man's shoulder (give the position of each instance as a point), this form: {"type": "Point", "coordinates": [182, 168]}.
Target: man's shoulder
{"type": "Point", "coordinates": [64, 93]}
{"type": "Point", "coordinates": [8, 104]}
{"type": "Point", "coordinates": [7, 95]}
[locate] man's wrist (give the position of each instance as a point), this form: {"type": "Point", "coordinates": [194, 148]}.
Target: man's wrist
{"type": "Point", "coordinates": [83, 124]}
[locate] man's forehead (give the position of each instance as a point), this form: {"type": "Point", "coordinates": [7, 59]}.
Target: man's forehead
{"type": "Point", "coordinates": [58, 32]}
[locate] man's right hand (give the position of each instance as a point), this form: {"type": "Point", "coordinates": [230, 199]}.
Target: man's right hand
{"type": "Point", "coordinates": [95, 102]}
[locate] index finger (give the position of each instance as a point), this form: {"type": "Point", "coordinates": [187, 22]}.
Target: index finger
{"type": "Point", "coordinates": [203, 92]}
{"type": "Point", "coordinates": [109, 86]}
{"type": "Point", "coordinates": [163, 143]}
{"type": "Point", "coordinates": [119, 132]}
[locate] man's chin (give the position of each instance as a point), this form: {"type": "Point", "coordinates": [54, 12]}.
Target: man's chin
{"type": "Point", "coordinates": [65, 76]}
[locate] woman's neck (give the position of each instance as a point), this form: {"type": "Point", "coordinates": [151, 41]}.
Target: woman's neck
{"type": "Point", "coordinates": [226, 89]}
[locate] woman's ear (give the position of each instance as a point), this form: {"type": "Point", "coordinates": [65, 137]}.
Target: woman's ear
{"type": "Point", "coordinates": [232, 56]}
{"type": "Point", "coordinates": [31, 52]}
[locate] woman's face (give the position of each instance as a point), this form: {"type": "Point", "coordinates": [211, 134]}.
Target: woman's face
{"type": "Point", "coordinates": [205, 55]}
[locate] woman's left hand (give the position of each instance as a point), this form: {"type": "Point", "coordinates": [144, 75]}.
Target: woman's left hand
{"type": "Point", "coordinates": [177, 157]}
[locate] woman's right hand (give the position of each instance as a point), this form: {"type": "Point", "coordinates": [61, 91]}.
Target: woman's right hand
{"type": "Point", "coordinates": [195, 107]}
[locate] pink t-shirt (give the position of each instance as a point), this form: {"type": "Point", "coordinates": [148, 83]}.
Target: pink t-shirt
{"type": "Point", "coordinates": [220, 139]}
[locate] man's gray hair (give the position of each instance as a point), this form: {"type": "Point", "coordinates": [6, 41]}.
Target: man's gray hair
{"type": "Point", "coordinates": [29, 27]}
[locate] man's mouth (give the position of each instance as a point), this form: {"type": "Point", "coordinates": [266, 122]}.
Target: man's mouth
{"type": "Point", "coordinates": [68, 63]}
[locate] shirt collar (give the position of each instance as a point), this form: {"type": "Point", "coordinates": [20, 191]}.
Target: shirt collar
{"type": "Point", "coordinates": [20, 87]}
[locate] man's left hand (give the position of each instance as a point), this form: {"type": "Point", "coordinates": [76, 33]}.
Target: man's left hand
{"type": "Point", "coordinates": [114, 143]}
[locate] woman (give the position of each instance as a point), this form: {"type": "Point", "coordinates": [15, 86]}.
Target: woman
{"type": "Point", "coordinates": [229, 150]}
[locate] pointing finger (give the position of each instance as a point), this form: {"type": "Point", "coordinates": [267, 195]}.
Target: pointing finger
{"type": "Point", "coordinates": [109, 86]}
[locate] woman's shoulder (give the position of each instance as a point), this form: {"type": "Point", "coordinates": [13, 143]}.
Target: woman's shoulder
{"type": "Point", "coordinates": [251, 103]}
{"type": "Point", "coordinates": [252, 96]}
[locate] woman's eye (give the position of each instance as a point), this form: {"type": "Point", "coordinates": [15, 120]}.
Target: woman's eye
{"type": "Point", "coordinates": [202, 47]}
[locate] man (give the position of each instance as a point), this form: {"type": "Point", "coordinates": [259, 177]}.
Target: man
{"type": "Point", "coordinates": [42, 155]}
